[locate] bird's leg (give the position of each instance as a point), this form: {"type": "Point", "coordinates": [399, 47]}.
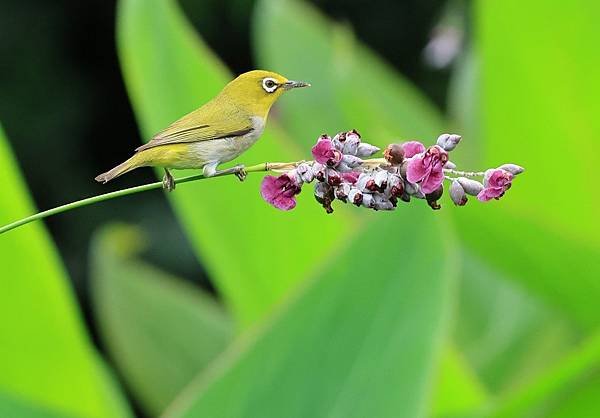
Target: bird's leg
{"type": "Point", "coordinates": [210, 170]}
{"type": "Point", "coordinates": [168, 181]}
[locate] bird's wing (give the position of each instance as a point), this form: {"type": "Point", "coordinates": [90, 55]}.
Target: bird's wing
{"type": "Point", "coordinates": [200, 125]}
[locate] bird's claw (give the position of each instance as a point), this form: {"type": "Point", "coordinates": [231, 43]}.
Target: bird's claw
{"type": "Point", "coordinates": [240, 173]}
{"type": "Point", "coordinates": [168, 182]}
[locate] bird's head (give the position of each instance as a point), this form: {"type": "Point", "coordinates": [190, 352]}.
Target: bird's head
{"type": "Point", "coordinates": [257, 90]}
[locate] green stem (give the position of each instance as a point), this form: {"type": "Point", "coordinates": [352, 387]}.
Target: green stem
{"type": "Point", "coordinates": [125, 192]}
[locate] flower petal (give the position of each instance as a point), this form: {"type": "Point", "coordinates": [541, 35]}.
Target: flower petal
{"type": "Point", "coordinates": [412, 148]}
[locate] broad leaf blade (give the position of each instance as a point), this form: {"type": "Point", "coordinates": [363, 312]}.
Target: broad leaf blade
{"type": "Point", "coordinates": [160, 330]}
{"type": "Point", "coordinates": [539, 109]}
{"type": "Point", "coordinates": [360, 341]}
{"type": "Point", "coordinates": [352, 87]}
{"type": "Point", "coordinates": [507, 336]}
{"type": "Point", "coordinates": [45, 354]}
{"type": "Point", "coordinates": [16, 408]}
{"type": "Point", "coordinates": [242, 241]}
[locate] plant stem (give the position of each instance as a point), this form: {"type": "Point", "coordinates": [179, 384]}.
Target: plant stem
{"type": "Point", "coordinates": [465, 173]}
{"type": "Point", "coordinates": [125, 192]}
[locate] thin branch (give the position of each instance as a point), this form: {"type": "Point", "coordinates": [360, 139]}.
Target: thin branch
{"type": "Point", "coordinates": [124, 192]}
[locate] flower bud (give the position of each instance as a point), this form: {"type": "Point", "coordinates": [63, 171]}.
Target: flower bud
{"type": "Point", "coordinates": [450, 165]}
{"type": "Point", "coordinates": [457, 194]}
{"type": "Point", "coordinates": [366, 183]}
{"type": "Point", "coordinates": [470, 186]}
{"type": "Point", "coordinates": [338, 140]}
{"type": "Point", "coordinates": [433, 197]}
{"type": "Point", "coordinates": [366, 150]}
{"type": "Point", "coordinates": [448, 141]}
{"type": "Point", "coordinates": [333, 177]}
{"type": "Point", "coordinates": [413, 190]}
{"type": "Point", "coordinates": [350, 177]}
{"type": "Point", "coordinates": [381, 202]}
{"type": "Point", "coordinates": [318, 170]}
{"type": "Point", "coordinates": [304, 171]}
{"type": "Point", "coordinates": [355, 196]}
{"type": "Point", "coordinates": [351, 143]}
{"type": "Point", "coordinates": [381, 179]}
{"type": "Point", "coordinates": [395, 187]}
{"type": "Point", "coordinates": [512, 168]}
{"type": "Point", "coordinates": [342, 191]}
{"type": "Point", "coordinates": [324, 195]}
{"type": "Point", "coordinates": [367, 200]}
{"type": "Point", "coordinates": [352, 161]}
{"type": "Point", "coordinates": [394, 154]}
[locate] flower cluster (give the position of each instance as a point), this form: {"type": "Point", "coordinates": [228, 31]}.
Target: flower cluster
{"type": "Point", "coordinates": [408, 170]}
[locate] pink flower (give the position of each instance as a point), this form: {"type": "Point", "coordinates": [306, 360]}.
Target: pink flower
{"type": "Point", "coordinates": [412, 148]}
{"type": "Point", "coordinates": [350, 176]}
{"type": "Point", "coordinates": [325, 153]}
{"type": "Point", "coordinates": [280, 191]}
{"type": "Point", "coordinates": [496, 181]}
{"type": "Point", "coordinates": [427, 168]}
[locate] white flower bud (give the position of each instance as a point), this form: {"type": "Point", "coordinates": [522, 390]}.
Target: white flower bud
{"type": "Point", "coordinates": [381, 179]}
{"type": "Point", "coordinates": [413, 190]}
{"type": "Point", "coordinates": [450, 165]}
{"type": "Point", "coordinates": [322, 189]}
{"type": "Point", "coordinates": [512, 168]}
{"type": "Point", "coordinates": [366, 150]}
{"type": "Point", "coordinates": [470, 186]}
{"type": "Point", "coordinates": [318, 171]}
{"type": "Point", "coordinates": [367, 200]}
{"type": "Point", "coordinates": [342, 191]}
{"type": "Point", "coordinates": [381, 202]}
{"type": "Point", "coordinates": [351, 143]}
{"type": "Point", "coordinates": [448, 141]}
{"type": "Point", "coordinates": [457, 194]}
{"type": "Point", "coordinates": [338, 141]}
{"type": "Point", "coordinates": [366, 183]}
{"type": "Point", "coordinates": [352, 161]}
{"type": "Point", "coordinates": [355, 196]}
{"type": "Point", "coordinates": [305, 172]}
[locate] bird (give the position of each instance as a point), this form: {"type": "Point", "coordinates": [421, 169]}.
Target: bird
{"type": "Point", "coordinates": [217, 132]}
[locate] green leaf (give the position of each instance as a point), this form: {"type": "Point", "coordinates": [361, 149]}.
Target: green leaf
{"type": "Point", "coordinates": [507, 336]}
{"type": "Point", "coordinates": [46, 356]}
{"type": "Point", "coordinates": [579, 369]}
{"type": "Point", "coordinates": [16, 408]}
{"type": "Point", "coordinates": [361, 340]}
{"type": "Point", "coordinates": [352, 87]}
{"type": "Point", "coordinates": [243, 242]}
{"type": "Point", "coordinates": [458, 390]}
{"type": "Point", "coordinates": [539, 101]}
{"type": "Point", "coordinates": [160, 330]}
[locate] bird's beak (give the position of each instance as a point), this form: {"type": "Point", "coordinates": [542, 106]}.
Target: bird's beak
{"type": "Point", "coordinates": [288, 85]}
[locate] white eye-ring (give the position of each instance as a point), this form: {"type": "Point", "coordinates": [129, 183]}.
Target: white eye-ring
{"type": "Point", "coordinates": [269, 84]}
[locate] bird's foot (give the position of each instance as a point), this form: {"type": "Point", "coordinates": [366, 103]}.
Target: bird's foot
{"type": "Point", "coordinates": [240, 172]}
{"type": "Point", "coordinates": [168, 181]}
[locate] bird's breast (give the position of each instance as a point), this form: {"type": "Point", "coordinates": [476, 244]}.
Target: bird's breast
{"type": "Point", "coordinates": [224, 149]}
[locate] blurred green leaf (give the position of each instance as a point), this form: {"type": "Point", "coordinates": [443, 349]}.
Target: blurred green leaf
{"type": "Point", "coordinates": [507, 335]}
{"type": "Point", "coordinates": [352, 87]}
{"type": "Point", "coordinates": [361, 340]}
{"type": "Point", "coordinates": [458, 390]}
{"type": "Point", "coordinates": [160, 330]}
{"type": "Point", "coordinates": [562, 380]}
{"type": "Point", "coordinates": [45, 354]}
{"type": "Point", "coordinates": [242, 241]}
{"type": "Point", "coordinates": [579, 403]}
{"type": "Point", "coordinates": [16, 408]}
{"type": "Point", "coordinates": [539, 101]}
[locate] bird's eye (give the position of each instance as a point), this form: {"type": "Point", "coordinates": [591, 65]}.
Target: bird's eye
{"type": "Point", "coordinates": [269, 85]}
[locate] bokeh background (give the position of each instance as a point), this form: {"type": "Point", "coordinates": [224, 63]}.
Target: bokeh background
{"type": "Point", "coordinates": [208, 302]}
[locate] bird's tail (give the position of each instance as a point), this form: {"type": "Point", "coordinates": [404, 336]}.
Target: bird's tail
{"type": "Point", "coordinates": [122, 168]}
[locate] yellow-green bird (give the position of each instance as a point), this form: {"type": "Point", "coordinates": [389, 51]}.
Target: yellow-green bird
{"type": "Point", "coordinates": [215, 133]}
